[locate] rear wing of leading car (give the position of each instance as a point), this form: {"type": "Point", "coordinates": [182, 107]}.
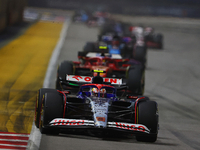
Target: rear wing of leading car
{"type": "Point", "coordinates": [88, 79]}
{"type": "Point", "coordinates": [87, 55]}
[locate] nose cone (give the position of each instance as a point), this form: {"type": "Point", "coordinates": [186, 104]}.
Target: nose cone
{"type": "Point", "coordinates": [100, 115]}
{"type": "Point", "coordinates": [101, 124]}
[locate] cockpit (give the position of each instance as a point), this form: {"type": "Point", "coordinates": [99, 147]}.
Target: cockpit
{"type": "Point", "coordinates": [100, 91]}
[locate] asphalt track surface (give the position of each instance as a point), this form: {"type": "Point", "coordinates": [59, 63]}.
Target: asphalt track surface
{"type": "Point", "coordinates": [172, 80]}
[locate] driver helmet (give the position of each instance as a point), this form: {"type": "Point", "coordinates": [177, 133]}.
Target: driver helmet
{"type": "Point", "coordinates": [103, 46]}
{"type": "Point", "coordinates": [94, 92]}
{"type": "Point", "coordinates": [116, 40]}
{"type": "Point", "coordinates": [102, 92]}
{"type": "Point", "coordinates": [115, 43]}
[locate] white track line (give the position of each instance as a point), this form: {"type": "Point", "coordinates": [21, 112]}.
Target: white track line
{"type": "Point", "coordinates": [35, 136]}
{"type": "Point", "coordinates": [13, 140]}
{"type": "Point", "coordinates": [20, 135]}
{"type": "Point", "coordinates": [12, 145]}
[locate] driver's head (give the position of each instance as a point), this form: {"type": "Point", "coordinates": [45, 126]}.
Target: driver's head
{"type": "Point", "coordinates": [103, 47]}
{"type": "Point", "coordinates": [116, 40]}
{"type": "Point", "coordinates": [94, 92]}
{"type": "Point", "coordinates": [102, 92]}
{"type": "Point", "coordinates": [115, 43]}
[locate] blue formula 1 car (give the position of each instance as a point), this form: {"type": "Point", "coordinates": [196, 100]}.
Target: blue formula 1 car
{"type": "Point", "coordinates": [80, 16]}
{"type": "Point", "coordinates": [96, 107]}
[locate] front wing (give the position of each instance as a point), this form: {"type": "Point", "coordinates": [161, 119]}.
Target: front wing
{"type": "Point", "coordinates": [60, 122]}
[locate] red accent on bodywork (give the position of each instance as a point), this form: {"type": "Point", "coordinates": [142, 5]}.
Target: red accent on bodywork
{"type": "Point", "coordinates": [106, 63]}
{"type": "Point", "coordinates": [64, 103]}
{"type": "Point", "coordinates": [66, 92]}
{"type": "Point", "coordinates": [113, 80]}
{"type": "Point", "coordinates": [152, 44]}
{"type": "Point", "coordinates": [139, 128]}
{"type": "Point", "coordinates": [77, 62]}
{"type": "Point", "coordinates": [136, 108]}
{"type": "Point", "coordinates": [88, 79]}
{"type": "Point", "coordinates": [126, 65]}
{"type": "Point", "coordinates": [126, 126]}
{"type": "Point", "coordinates": [68, 122]}
{"type": "Point", "coordinates": [77, 77]}
{"type": "Point", "coordinates": [132, 97]}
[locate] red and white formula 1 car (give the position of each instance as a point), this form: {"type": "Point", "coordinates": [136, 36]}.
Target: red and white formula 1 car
{"type": "Point", "coordinates": [131, 71]}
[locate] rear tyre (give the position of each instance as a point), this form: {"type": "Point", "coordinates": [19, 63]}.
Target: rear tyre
{"type": "Point", "coordinates": [140, 53]}
{"type": "Point", "coordinates": [52, 108]}
{"type": "Point", "coordinates": [158, 38]}
{"type": "Point", "coordinates": [148, 116]}
{"type": "Point", "coordinates": [39, 98]}
{"type": "Point", "coordinates": [64, 68]}
{"type": "Point", "coordinates": [135, 80]}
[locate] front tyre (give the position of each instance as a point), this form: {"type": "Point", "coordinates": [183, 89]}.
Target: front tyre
{"type": "Point", "coordinates": [38, 104]}
{"type": "Point", "coordinates": [52, 108]}
{"type": "Point", "coordinates": [148, 116]}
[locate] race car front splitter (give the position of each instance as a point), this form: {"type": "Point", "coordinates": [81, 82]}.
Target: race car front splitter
{"type": "Point", "coordinates": [118, 125]}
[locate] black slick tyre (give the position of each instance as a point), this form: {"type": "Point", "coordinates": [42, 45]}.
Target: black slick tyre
{"type": "Point", "coordinates": [140, 53]}
{"type": "Point", "coordinates": [64, 68]}
{"type": "Point", "coordinates": [158, 38]}
{"type": "Point", "coordinates": [148, 116]}
{"type": "Point", "coordinates": [39, 99]}
{"type": "Point", "coordinates": [135, 80]}
{"type": "Point", "coordinates": [52, 108]}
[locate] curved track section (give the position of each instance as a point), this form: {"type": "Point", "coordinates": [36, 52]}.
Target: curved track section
{"type": "Point", "coordinates": [172, 79]}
